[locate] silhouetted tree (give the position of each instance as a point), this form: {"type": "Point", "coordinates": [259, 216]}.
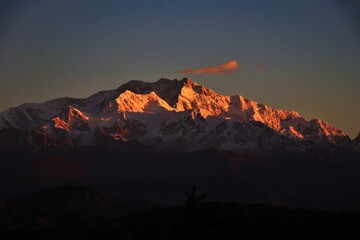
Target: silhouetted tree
{"type": "Point", "coordinates": [192, 201]}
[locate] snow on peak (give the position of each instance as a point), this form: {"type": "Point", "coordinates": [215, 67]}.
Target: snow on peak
{"type": "Point", "coordinates": [72, 114]}
{"type": "Point", "coordinates": [129, 101]}
{"type": "Point", "coordinates": [61, 124]}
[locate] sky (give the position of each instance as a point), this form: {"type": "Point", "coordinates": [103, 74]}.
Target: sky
{"type": "Point", "coordinates": [299, 55]}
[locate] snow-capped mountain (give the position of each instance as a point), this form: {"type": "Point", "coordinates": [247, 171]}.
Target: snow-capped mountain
{"type": "Point", "coordinates": [172, 114]}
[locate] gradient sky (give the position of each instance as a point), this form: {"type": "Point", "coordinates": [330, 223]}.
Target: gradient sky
{"type": "Point", "coordinates": [295, 54]}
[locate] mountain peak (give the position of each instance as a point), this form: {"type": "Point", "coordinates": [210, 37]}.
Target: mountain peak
{"type": "Point", "coordinates": [189, 82]}
{"type": "Point", "coordinates": [128, 101]}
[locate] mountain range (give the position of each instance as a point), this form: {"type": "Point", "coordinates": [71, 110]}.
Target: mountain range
{"type": "Point", "coordinates": [178, 115]}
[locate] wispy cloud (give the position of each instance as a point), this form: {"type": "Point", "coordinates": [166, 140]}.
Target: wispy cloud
{"type": "Point", "coordinates": [228, 67]}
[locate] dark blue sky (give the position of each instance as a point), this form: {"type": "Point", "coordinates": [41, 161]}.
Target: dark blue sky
{"type": "Point", "coordinates": [307, 53]}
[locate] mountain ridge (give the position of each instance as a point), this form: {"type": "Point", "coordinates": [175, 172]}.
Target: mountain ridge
{"type": "Point", "coordinates": [172, 114]}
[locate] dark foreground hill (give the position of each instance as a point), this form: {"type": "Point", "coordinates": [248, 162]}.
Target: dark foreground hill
{"type": "Point", "coordinates": [81, 199]}
{"type": "Point", "coordinates": [318, 179]}
{"type": "Point", "coordinates": [48, 214]}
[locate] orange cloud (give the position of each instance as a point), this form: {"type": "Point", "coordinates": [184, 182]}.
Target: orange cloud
{"type": "Point", "coordinates": [228, 67]}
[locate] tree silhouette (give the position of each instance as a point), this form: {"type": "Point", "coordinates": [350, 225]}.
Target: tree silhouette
{"type": "Point", "coordinates": [192, 201]}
